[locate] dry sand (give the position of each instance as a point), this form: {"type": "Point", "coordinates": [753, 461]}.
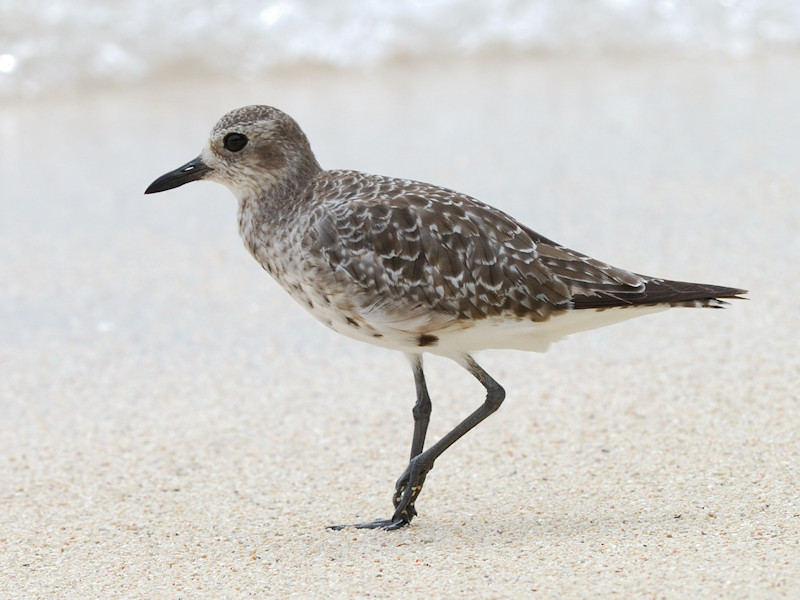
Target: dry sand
{"type": "Point", "coordinates": [174, 426]}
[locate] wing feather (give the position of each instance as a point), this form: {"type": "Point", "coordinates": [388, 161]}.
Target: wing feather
{"type": "Point", "coordinates": [429, 250]}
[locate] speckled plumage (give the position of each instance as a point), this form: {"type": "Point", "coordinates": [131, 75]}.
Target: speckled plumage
{"type": "Point", "coordinates": [401, 264]}
{"type": "Point", "coordinates": [413, 266]}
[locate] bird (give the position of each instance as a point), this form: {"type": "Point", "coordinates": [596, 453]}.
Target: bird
{"type": "Point", "coordinates": [413, 267]}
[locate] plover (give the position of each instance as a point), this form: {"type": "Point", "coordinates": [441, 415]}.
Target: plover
{"type": "Point", "coordinates": [413, 267]}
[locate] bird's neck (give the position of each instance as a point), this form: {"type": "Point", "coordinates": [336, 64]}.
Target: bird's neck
{"type": "Point", "coordinates": [266, 211]}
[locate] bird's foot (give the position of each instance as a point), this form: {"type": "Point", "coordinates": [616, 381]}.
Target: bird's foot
{"type": "Point", "coordinates": [385, 524]}
{"type": "Point", "coordinates": [406, 491]}
{"type": "Point", "coordinates": [399, 519]}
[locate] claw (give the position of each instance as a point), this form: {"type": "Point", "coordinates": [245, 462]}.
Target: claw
{"type": "Point", "coordinates": [407, 489]}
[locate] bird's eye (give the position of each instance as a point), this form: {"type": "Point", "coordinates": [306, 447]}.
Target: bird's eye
{"type": "Point", "coordinates": [234, 142]}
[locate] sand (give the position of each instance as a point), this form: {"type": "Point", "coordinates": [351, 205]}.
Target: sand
{"type": "Point", "coordinates": [174, 426]}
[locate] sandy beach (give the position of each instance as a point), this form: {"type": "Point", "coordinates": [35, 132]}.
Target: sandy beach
{"type": "Point", "coordinates": [175, 426]}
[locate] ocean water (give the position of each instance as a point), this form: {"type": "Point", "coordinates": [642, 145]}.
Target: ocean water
{"type": "Point", "coordinates": [47, 46]}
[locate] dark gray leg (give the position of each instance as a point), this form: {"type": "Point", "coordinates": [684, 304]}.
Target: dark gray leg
{"type": "Point", "coordinates": [422, 409]}
{"type": "Point", "coordinates": [410, 483]}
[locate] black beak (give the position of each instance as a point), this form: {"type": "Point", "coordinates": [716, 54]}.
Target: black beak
{"type": "Point", "coordinates": [191, 171]}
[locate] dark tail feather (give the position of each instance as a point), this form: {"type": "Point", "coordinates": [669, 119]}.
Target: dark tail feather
{"type": "Point", "coordinates": [663, 291]}
{"type": "Point", "coordinates": [682, 293]}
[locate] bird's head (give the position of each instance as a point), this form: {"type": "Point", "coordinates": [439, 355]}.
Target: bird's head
{"type": "Point", "coordinates": [251, 150]}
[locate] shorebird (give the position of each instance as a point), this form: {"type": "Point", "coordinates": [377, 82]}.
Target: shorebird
{"type": "Point", "coordinates": [413, 267]}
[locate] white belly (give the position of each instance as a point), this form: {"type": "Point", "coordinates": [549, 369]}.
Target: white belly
{"type": "Point", "coordinates": [422, 333]}
{"type": "Point", "coordinates": [531, 335]}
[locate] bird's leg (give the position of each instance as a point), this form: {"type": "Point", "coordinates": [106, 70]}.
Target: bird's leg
{"type": "Point", "coordinates": [422, 408]}
{"type": "Point", "coordinates": [409, 484]}
{"type": "Point", "coordinates": [422, 416]}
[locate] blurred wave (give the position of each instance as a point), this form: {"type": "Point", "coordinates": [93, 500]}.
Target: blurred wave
{"type": "Point", "coordinates": [48, 46]}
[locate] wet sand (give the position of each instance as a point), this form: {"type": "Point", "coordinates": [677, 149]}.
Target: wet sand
{"type": "Point", "coordinates": [174, 426]}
